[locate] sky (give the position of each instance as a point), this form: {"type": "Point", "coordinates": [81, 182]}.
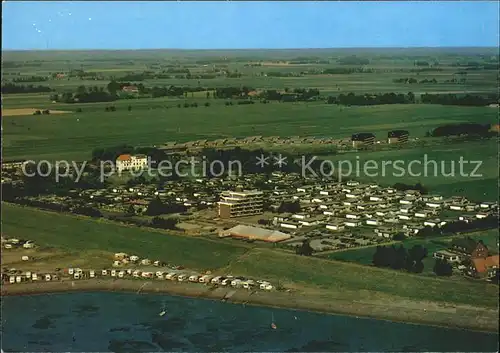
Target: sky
{"type": "Point", "coordinates": [237, 25]}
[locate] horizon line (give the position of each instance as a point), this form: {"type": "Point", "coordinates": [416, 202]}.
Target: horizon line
{"type": "Point", "coordinates": [249, 49]}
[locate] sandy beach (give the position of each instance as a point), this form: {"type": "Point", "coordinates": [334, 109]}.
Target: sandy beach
{"type": "Point", "coordinates": [428, 313]}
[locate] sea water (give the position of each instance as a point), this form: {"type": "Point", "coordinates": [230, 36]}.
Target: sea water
{"type": "Point", "coordinates": [127, 322]}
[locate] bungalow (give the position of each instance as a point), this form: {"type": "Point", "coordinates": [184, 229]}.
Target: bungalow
{"type": "Point", "coordinates": [487, 205]}
{"type": "Point", "coordinates": [335, 226]}
{"type": "Point", "coordinates": [352, 215]}
{"type": "Point", "coordinates": [383, 232]}
{"type": "Point", "coordinates": [290, 224]}
{"type": "Point", "coordinates": [301, 216]}
{"type": "Point", "coordinates": [421, 214]}
{"type": "Point", "coordinates": [456, 207]}
{"type": "Point", "coordinates": [375, 198]}
{"type": "Point", "coordinates": [434, 204]}
{"type": "Point", "coordinates": [372, 222]}
{"type": "Point", "coordinates": [446, 255]}
{"type": "Point", "coordinates": [404, 217]}
{"type": "Point", "coordinates": [481, 215]}
{"type": "Point", "coordinates": [352, 223]}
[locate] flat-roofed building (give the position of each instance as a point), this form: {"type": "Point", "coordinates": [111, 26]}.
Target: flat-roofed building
{"type": "Point", "coordinates": [362, 139]}
{"type": "Point", "coordinates": [240, 203]}
{"type": "Point", "coordinates": [255, 233]}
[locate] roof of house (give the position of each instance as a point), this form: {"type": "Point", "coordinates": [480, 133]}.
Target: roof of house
{"type": "Point", "coordinates": [257, 233]}
{"type": "Point", "coordinates": [483, 264]}
{"type": "Point", "coordinates": [124, 157]}
{"type": "Point", "coordinates": [466, 243]}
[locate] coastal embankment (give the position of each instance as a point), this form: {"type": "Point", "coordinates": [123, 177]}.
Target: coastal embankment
{"type": "Point", "coordinates": [309, 299]}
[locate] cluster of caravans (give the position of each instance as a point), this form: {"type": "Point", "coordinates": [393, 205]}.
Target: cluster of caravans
{"type": "Point", "coordinates": [122, 259]}
{"type": "Point", "coordinates": [17, 243]}
{"type": "Point", "coordinates": [28, 276]}
{"type": "Point", "coordinates": [236, 282]}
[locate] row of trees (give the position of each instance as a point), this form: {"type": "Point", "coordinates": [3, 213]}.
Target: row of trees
{"type": "Point", "coordinates": [489, 222]}
{"type": "Point", "coordinates": [462, 129]}
{"type": "Point", "coordinates": [411, 80]}
{"type": "Point", "coordinates": [372, 99]}
{"type": "Point", "coordinates": [156, 207]}
{"type": "Point", "coordinates": [453, 99]}
{"type": "Point", "coordinates": [30, 79]}
{"type": "Point", "coordinates": [399, 258]}
{"type": "Point", "coordinates": [13, 88]}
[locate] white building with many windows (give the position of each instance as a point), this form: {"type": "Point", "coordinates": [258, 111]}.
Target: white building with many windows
{"type": "Point", "coordinates": [131, 162]}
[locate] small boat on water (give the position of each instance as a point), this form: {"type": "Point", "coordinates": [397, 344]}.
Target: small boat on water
{"type": "Point", "coordinates": [163, 311]}
{"type": "Point", "coordinates": [273, 325]}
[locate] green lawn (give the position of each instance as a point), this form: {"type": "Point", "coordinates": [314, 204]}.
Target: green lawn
{"type": "Point", "coordinates": [81, 233]}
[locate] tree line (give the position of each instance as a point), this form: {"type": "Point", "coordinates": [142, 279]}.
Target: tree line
{"type": "Point", "coordinates": [371, 99]}
{"type": "Point", "coordinates": [469, 129]}
{"type": "Point", "coordinates": [13, 88]}
{"type": "Point", "coordinates": [30, 79]}
{"type": "Point", "coordinates": [453, 99]}
{"type": "Point", "coordinates": [399, 258]}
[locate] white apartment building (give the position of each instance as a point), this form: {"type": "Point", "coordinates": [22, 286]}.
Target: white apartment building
{"type": "Point", "coordinates": [131, 162]}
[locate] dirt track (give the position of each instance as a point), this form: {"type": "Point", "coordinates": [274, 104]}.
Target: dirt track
{"type": "Point", "coordinates": [29, 111]}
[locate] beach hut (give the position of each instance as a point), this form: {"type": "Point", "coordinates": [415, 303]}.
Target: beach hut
{"type": "Point", "coordinates": [157, 263]}
{"type": "Point", "coordinates": [48, 277]}
{"type": "Point", "coordinates": [226, 281]}
{"type": "Point", "coordinates": [125, 261]}
{"type": "Point", "coordinates": [170, 276]}
{"type": "Point", "coordinates": [117, 263]}
{"type": "Point", "coordinates": [193, 278]}
{"type": "Point", "coordinates": [91, 273]}
{"type": "Point", "coordinates": [79, 271]}
{"type": "Point", "coordinates": [245, 285]}
{"type": "Point", "coordinates": [77, 276]}
{"type": "Point", "coordinates": [121, 274]}
{"type": "Point", "coordinates": [181, 278]}
{"type": "Point", "coordinates": [145, 262]}
{"type": "Point", "coordinates": [159, 274]}
{"type": "Point", "coordinates": [216, 280]}
{"type": "Point", "coordinates": [28, 275]}
{"type": "Point", "coordinates": [134, 258]}
{"type": "Point", "coordinates": [104, 272]}
{"type": "Point", "coordinates": [12, 279]}
{"type": "Point", "coordinates": [34, 277]}
{"type": "Point", "coordinates": [136, 274]}
{"type": "Point", "coordinates": [113, 273]}
{"type": "Point", "coordinates": [147, 274]}
{"type": "Point", "coordinates": [8, 246]}
{"type": "Point", "coordinates": [25, 258]}
{"type": "Point", "coordinates": [28, 245]}
{"type": "Point", "coordinates": [129, 271]}
{"type": "Point", "coordinates": [19, 279]}
{"type": "Point", "coordinates": [71, 271]}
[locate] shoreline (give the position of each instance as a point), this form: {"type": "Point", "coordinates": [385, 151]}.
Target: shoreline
{"type": "Point", "coordinates": [483, 319]}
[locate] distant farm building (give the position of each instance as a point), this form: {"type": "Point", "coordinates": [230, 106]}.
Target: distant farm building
{"type": "Point", "coordinates": [363, 139]}
{"type": "Point", "coordinates": [397, 136]}
{"type": "Point", "coordinates": [131, 162]}
{"type": "Point", "coordinates": [255, 233]}
{"type": "Point", "coordinates": [130, 89]}
{"type": "Point", "coordinates": [240, 204]}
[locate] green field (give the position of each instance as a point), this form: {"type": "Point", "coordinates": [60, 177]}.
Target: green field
{"type": "Point", "coordinates": [73, 136]}
{"type": "Point", "coordinates": [343, 279]}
